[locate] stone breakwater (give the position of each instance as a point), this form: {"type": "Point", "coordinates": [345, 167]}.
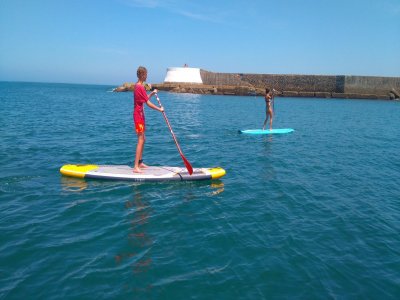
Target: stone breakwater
{"type": "Point", "coordinates": [320, 86]}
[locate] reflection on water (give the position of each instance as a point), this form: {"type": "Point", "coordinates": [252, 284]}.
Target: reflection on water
{"type": "Point", "coordinates": [138, 238]}
{"type": "Point", "coordinates": [268, 138]}
{"type": "Point", "coordinates": [199, 189]}
{"type": "Point", "coordinates": [218, 187]}
{"type": "Point", "coordinates": [70, 184]}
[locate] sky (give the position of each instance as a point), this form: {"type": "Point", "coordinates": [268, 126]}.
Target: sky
{"type": "Point", "coordinates": [103, 42]}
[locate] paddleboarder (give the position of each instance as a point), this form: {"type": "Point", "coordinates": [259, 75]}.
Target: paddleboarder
{"type": "Point", "coordinates": [141, 97]}
{"type": "Point", "coordinates": [269, 98]}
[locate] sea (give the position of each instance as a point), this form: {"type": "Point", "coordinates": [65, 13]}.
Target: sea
{"type": "Point", "coordinates": [313, 214]}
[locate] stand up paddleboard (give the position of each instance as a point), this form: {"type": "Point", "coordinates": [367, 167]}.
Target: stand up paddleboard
{"type": "Point", "coordinates": [267, 131]}
{"type": "Point", "coordinates": [121, 172]}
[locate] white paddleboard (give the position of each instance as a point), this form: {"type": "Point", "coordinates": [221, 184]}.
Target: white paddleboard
{"type": "Point", "coordinates": [267, 131]}
{"type": "Point", "coordinates": [151, 173]}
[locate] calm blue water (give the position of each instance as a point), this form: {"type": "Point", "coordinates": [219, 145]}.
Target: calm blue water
{"type": "Point", "coordinates": [314, 214]}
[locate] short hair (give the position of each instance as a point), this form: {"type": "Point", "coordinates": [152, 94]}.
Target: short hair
{"type": "Point", "coordinates": [267, 90]}
{"type": "Point", "coordinates": [140, 71]}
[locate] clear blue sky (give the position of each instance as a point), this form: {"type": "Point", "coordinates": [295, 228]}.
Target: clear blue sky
{"type": "Point", "coordinates": [103, 42]}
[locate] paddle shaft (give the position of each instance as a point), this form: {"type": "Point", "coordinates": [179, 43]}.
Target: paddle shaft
{"type": "Point", "coordinates": [273, 100]}
{"type": "Point", "coordinates": [185, 161]}
{"type": "Point", "coordinates": [273, 103]}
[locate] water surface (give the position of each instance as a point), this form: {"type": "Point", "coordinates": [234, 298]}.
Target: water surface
{"type": "Point", "coordinates": [311, 214]}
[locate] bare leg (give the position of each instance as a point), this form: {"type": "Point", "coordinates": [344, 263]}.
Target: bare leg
{"type": "Point", "coordinates": [141, 164]}
{"type": "Point", "coordinates": [270, 121]}
{"type": "Point", "coordinates": [265, 122]}
{"type": "Point", "coordinates": [139, 152]}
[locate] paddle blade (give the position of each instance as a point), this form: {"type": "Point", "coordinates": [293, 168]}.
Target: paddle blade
{"type": "Point", "coordinates": [187, 165]}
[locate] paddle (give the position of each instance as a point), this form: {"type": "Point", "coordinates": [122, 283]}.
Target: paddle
{"type": "Point", "coordinates": [186, 162]}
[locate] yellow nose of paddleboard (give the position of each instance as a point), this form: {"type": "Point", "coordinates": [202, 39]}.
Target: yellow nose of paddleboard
{"type": "Point", "coordinates": [217, 172]}
{"type": "Point", "coordinates": [77, 170]}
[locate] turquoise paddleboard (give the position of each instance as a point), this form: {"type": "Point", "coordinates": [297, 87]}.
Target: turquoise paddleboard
{"type": "Point", "coordinates": [267, 131]}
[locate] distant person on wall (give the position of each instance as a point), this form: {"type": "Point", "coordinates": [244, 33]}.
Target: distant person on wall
{"type": "Point", "coordinates": [140, 97]}
{"type": "Point", "coordinates": [269, 98]}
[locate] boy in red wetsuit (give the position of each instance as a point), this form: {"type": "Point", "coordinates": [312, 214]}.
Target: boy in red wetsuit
{"type": "Point", "coordinates": [140, 97]}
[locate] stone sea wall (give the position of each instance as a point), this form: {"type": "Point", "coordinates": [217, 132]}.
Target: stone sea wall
{"type": "Point", "coordinates": [372, 85]}
{"type": "Point", "coordinates": [321, 86]}
{"type": "Point", "coordinates": [325, 86]}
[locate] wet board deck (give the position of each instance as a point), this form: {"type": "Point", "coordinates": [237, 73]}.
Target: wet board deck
{"type": "Point", "coordinates": [267, 131]}
{"type": "Point", "coordinates": [151, 173]}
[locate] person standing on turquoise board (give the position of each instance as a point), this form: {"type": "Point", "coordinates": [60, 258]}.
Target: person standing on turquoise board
{"type": "Point", "coordinates": [140, 97]}
{"type": "Point", "coordinates": [268, 108]}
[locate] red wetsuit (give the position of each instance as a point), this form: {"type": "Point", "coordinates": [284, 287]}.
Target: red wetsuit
{"type": "Point", "coordinates": [140, 97]}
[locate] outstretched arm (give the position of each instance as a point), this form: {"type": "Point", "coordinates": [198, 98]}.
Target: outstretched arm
{"type": "Point", "coordinates": [153, 106]}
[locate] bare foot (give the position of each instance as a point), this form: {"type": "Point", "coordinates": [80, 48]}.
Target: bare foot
{"type": "Point", "coordinates": [137, 170]}
{"type": "Point", "coordinates": [143, 165]}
